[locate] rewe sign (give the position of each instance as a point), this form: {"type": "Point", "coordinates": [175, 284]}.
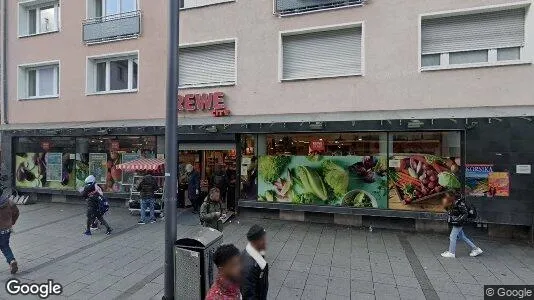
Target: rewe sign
{"type": "Point", "coordinates": [204, 102]}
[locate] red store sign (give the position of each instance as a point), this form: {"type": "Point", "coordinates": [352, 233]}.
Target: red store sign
{"type": "Point", "coordinates": [204, 102]}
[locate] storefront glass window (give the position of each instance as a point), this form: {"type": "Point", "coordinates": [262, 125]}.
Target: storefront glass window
{"type": "Point", "coordinates": [423, 165]}
{"type": "Point", "coordinates": [44, 162]}
{"type": "Point", "coordinates": [249, 166]}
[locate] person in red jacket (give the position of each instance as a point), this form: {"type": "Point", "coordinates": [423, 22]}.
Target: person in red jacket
{"type": "Point", "coordinates": [9, 213]}
{"type": "Point", "coordinates": [226, 286]}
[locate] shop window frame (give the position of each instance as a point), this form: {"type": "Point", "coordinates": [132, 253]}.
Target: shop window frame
{"type": "Point", "coordinates": [23, 80]}
{"type": "Point", "coordinates": [92, 72]}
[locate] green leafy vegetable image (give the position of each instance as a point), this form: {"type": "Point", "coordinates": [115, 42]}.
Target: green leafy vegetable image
{"type": "Point", "coordinates": [312, 182]}
{"type": "Point", "coordinates": [271, 167]}
{"type": "Point", "coordinates": [336, 177]}
{"type": "Point", "coordinates": [448, 180]}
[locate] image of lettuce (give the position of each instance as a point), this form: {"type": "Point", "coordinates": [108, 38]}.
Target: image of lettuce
{"type": "Point", "coordinates": [311, 182]}
{"type": "Point", "coordinates": [362, 200]}
{"type": "Point", "coordinates": [270, 168]}
{"type": "Point", "coordinates": [336, 177]}
{"type": "Point", "coordinates": [269, 196]}
{"type": "Point", "coordinates": [306, 198]}
{"type": "Point", "coordinates": [448, 180]}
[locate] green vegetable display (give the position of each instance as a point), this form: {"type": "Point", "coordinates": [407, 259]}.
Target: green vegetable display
{"type": "Point", "coordinates": [312, 182]}
{"type": "Point", "coordinates": [307, 198]}
{"type": "Point", "coordinates": [448, 180]}
{"type": "Point", "coordinates": [336, 177]}
{"type": "Point", "coordinates": [270, 196]}
{"type": "Point", "coordinates": [271, 167]}
{"type": "Point", "coordinates": [362, 200]}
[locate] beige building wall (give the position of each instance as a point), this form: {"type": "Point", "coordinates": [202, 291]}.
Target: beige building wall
{"type": "Point", "coordinates": [391, 81]}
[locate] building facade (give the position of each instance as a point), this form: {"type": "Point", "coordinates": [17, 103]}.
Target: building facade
{"type": "Point", "coordinates": [331, 110]}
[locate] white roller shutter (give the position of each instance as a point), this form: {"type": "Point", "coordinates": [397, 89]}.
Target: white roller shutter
{"type": "Point", "coordinates": [322, 54]}
{"type": "Point", "coordinates": [490, 30]}
{"type": "Point", "coordinates": [209, 64]}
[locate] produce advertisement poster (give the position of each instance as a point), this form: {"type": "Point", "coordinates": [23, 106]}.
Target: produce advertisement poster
{"type": "Point", "coordinates": [98, 166]}
{"type": "Point", "coordinates": [353, 181]}
{"type": "Point", "coordinates": [127, 177]}
{"type": "Point", "coordinates": [44, 170]}
{"type": "Point", "coordinates": [54, 166]}
{"type": "Point", "coordinates": [419, 181]}
{"type": "Point", "coordinates": [476, 179]}
{"type": "Point", "coordinates": [499, 184]}
{"type": "Point", "coordinates": [82, 169]}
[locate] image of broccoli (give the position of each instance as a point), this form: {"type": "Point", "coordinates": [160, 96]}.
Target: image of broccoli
{"type": "Point", "coordinates": [336, 177]}
{"type": "Point", "coordinates": [270, 168]}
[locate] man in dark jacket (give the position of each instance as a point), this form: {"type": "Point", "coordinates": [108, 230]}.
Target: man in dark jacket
{"type": "Point", "coordinates": [93, 196]}
{"type": "Point", "coordinates": [193, 187]}
{"type": "Point", "coordinates": [147, 188]}
{"type": "Point", "coordinates": [9, 213]}
{"type": "Point", "coordinates": [255, 269]}
{"type": "Point", "coordinates": [458, 216]}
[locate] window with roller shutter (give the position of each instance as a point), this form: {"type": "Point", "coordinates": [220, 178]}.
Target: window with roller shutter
{"type": "Point", "coordinates": [473, 39]}
{"type": "Point", "coordinates": [207, 65]}
{"type": "Point", "coordinates": [320, 54]}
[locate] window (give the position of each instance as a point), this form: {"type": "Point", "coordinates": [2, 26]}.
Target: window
{"type": "Point", "coordinates": [481, 38]}
{"type": "Point", "coordinates": [39, 81]}
{"type": "Point", "coordinates": [109, 74]}
{"type": "Point", "coordinates": [199, 3]}
{"type": "Point", "coordinates": [102, 8]}
{"type": "Point", "coordinates": [208, 65]}
{"type": "Point", "coordinates": [36, 17]}
{"type": "Point", "coordinates": [328, 53]}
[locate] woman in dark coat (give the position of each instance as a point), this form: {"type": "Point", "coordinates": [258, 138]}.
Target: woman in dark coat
{"type": "Point", "coordinates": [255, 283]}
{"type": "Point", "coordinates": [92, 193]}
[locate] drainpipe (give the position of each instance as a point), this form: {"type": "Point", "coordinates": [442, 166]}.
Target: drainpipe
{"type": "Point", "coordinates": [4, 62]}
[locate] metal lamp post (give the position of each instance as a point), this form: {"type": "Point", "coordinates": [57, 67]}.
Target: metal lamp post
{"type": "Point", "coordinates": [171, 147]}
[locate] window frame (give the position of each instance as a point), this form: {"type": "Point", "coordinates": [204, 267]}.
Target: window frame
{"type": "Point", "coordinates": [208, 43]}
{"type": "Point", "coordinates": [92, 74]}
{"type": "Point", "coordinates": [281, 35]}
{"type": "Point", "coordinates": [216, 2]}
{"type": "Point", "coordinates": [91, 9]}
{"type": "Point", "coordinates": [24, 9]}
{"type": "Point", "coordinates": [525, 52]}
{"type": "Point", "coordinates": [23, 80]}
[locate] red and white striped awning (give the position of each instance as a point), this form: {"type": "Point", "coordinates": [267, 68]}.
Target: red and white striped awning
{"type": "Point", "coordinates": [143, 164]}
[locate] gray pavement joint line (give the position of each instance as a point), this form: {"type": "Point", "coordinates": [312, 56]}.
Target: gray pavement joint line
{"type": "Point", "coordinates": [48, 223]}
{"type": "Point", "coordinates": [422, 278]}
{"type": "Point", "coordinates": [141, 284]}
{"type": "Point", "coordinates": [74, 252]}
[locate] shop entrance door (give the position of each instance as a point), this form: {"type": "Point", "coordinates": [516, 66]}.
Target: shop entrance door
{"type": "Point", "coordinates": [216, 164]}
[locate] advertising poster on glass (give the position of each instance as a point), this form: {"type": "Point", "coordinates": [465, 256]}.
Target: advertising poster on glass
{"type": "Point", "coordinates": [32, 170]}
{"type": "Point", "coordinates": [127, 177]}
{"type": "Point", "coordinates": [499, 184]}
{"type": "Point", "coordinates": [476, 179]}
{"type": "Point", "coordinates": [351, 181]}
{"type": "Point", "coordinates": [98, 166]}
{"type": "Point", "coordinates": [419, 181]}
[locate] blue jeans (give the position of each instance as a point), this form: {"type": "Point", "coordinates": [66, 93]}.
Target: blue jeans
{"type": "Point", "coordinates": [147, 204]}
{"type": "Point", "coordinates": [4, 247]}
{"type": "Point", "coordinates": [457, 233]}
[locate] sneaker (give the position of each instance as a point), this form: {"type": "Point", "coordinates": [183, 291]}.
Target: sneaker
{"type": "Point", "coordinates": [141, 223]}
{"type": "Point", "coordinates": [153, 221]}
{"type": "Point", "coordinates": [14, 267]}
{"type": "Point", "coordinates": [109, 231]}
{"type": "Point", "coordinates": [448, 254]}
{"type": "Point", "coordinates": [475, 252]}
{"type": "Point", "coordinates": [87, 232]}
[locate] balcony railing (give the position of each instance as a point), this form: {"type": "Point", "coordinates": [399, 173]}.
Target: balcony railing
{"type": "Point", "coordinates": [113, 27]}
{"type": "Point", "coordinates": [289, 7]}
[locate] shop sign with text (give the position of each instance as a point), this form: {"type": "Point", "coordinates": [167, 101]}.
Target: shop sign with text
{"type": "Point", "coordinates": [213, 102]}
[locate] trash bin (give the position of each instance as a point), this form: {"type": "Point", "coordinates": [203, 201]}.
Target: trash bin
{"type": "Point", "coordinates": [194, 268]}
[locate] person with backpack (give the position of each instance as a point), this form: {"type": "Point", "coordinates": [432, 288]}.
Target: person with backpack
{"type": "Point", "coordinates": [459, 214]}
{"type": "Point", "coordinates": [9, 213]}
{"type": "Point", "coordinates": [96, 204]}
{"type": "Point", "coordinates": [147, 188]}
{"type": "Point", "coordinates": [211, 210]}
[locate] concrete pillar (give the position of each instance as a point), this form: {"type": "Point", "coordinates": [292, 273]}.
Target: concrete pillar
{"type": "Point", "coordinates": [349, 220]}
{"type": "Point", "coordinates": [292, 215]}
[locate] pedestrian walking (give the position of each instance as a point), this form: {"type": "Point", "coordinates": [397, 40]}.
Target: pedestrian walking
{"type": "Point", "coordinates": [226, 286]}
{"type": "Point", "coordinates": [147, 188]}
{"type": "Point", "coordinates": [220, 181]}
{"type": "Point", "coordinates": [9, 213]}
{"type": "Point", "coordinates": [458, 216]}
{"type": "Point", "coordinates": [211, 210]}
{"type": "Point", "coordinates": [193, 187]}
{"type": "Point", "coordinates": [255, 283]}
{"type": "Point", "coordinates": [94, 205]}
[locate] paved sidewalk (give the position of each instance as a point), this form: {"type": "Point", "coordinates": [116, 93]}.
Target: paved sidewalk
{"type": "Point", "coordinates": [308, 261]}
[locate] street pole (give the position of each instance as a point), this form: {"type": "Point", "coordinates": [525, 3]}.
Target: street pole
{"type": "Point", "coordinates": [171, 147]}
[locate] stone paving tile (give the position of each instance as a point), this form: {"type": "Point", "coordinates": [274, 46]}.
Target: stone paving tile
{"type": "Point", "coordinates": [313, 292]}
{"type": "Point", "coordinates": [295, 280]}
{"type": "Point", "coordinates": [409, 293]}
{"type": "Point", "coordinates": [339, 286]}
{"type": "Point", "coordinates": [286, 293]}
{"type": "Point", "coordinates": [317, 280]}
{"type": "Point", "coordinates": [360, 286]}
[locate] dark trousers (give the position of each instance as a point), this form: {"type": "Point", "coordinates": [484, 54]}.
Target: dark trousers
{"type": "Point", "coordinates": [93, 217]}
{"type": "Point", "coordinates": [5, 248]}
{"type": "Point", "coordinates": [196, 202]}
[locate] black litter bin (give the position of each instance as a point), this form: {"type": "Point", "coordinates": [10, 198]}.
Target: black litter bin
{"type": "Point", "coordinates": [194, 268]}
